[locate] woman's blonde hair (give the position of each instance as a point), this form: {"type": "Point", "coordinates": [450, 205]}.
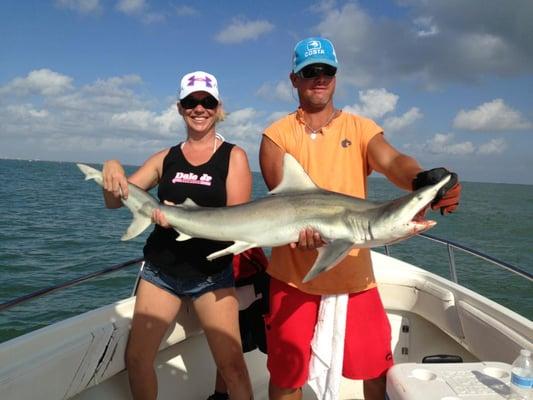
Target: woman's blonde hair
{"type": "Point", "coordinates": [221, 114]}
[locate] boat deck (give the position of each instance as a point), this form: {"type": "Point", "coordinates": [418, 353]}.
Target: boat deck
{"type": "Point", "coordinates": [187, 367]}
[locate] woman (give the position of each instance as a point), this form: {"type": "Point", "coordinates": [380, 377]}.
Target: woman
{"type": "Point", "coordinates": [211, 172]}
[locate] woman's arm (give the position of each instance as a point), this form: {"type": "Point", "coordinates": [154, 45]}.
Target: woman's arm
{"type": "Point", "coordinates": [239, 180]}
{"type": "Point", "coordinates": [116, 182]}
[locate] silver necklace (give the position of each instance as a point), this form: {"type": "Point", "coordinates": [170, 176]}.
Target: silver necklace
{"type": "Point", "coordinates": [217, 136]}
{"type": "Point", "coordinates": [313, 132]}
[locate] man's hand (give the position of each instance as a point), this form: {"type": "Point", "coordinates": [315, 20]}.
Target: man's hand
{"type": "Point", "coordinates": [447, 198]}
{"type": "Point", "coordinates": [309, 239]}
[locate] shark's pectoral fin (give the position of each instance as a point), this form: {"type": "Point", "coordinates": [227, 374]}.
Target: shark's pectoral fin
{"type": "Point", "coordinates": [235, 248]}
{"type": "Point", "coordinates": [142, 219]}
{"type": "Point", "coordinates": [188, 203]}
{"type": "Point", "coordinates": [328, 256]}
{"type": "Point", "coordinates": [182, 236]}
{"type": "Point", "coordinates": [137, 226]}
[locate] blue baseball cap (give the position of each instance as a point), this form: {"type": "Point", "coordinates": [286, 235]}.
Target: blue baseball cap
{"type": "Point", "coordinates": [313, 50]}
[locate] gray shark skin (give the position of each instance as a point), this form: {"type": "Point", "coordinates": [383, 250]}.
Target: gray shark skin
{"type": "Point", "coordinates": [344, 222]}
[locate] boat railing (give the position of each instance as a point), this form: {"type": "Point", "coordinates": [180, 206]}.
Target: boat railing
{"type": "Point", "coordinates": [73, 282]}
{"type": "Point", "coordinates": [451, 246]}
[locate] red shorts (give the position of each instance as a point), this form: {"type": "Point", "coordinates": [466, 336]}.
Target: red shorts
{"type": "Point", "coordinates": [290, 328]}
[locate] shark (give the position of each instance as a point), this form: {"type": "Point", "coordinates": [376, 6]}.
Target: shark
{"type": "Point", "coordinates": [344, 222]}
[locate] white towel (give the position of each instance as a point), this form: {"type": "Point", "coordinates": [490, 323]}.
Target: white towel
{"type": "Point", "coordinates": [327, 347]}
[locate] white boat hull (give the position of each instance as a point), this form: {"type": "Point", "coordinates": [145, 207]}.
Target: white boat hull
{"type": "Point", "coordinates": [82, 357]}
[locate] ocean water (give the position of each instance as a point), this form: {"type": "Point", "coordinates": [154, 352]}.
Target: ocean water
{"type": "Point", "coordinates": [54, 228]}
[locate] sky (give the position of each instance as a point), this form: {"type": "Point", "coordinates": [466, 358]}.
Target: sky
{"type": "Point", "coordinates": [450, 82]}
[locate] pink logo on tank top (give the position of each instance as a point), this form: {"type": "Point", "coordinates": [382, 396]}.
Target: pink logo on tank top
{"type": "Point", "coordinates": [193, 179]}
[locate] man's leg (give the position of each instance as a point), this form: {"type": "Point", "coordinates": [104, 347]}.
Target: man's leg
{"type": "Point", "coordinates": [374, 389]}
{"type": "Point", "coordinates": [367, 352]}
{"type": "Point", "coordinates": [277, 393]}
{"type": "Point", "coordinates": [290, 327]}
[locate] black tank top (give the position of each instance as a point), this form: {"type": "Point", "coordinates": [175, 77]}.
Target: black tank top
{"type": "Point", "coordinates": [204, 184]}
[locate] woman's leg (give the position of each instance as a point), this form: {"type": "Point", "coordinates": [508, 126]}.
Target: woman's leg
{"type": "Point", "coordinates": [155, 310]}
{"type": "Point", "coordinates": [221, 391]}
{"type": "Point", "coordinates": [220, 385]}
{"type": "Point", "coordinates": [218, 315]}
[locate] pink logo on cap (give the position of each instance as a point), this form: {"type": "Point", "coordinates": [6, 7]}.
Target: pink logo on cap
{"type": "Point", "coordinates": [205, 79]}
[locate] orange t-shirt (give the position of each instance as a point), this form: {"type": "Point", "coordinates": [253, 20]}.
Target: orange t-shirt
{"type": "Point", "coordinates": [336, 160]}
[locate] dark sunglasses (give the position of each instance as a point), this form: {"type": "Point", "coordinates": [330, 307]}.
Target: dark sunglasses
{"type": "Point", "coordinates": [208, 102]}
{"type": "Point", "coordinates": [314, 70]}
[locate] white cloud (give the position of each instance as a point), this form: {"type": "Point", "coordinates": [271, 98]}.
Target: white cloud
{"type": "Point", "coordinates": [492, 116]}
{"type": "Point", "coordinates": [280, 91]}
{"type": "Point", "coordinates": [244, 127]}
{"type": "Point", "coordinates": [27, 111]}
{"type": "Point", "coordinates": [277, 115]}
{"type": "Point", "coordinates": [351, 31]}
{"type": "Point", "coordinates": [81, 6]}
{"type": "Point", "coordinates": [43, 81]}
{"type": "Point", "coordinates": [140, 9]}
{"type": "Point", "coordinates": [104, 96]}
{"type": "Point", "coordinates": [374, 103]}
{"type": "Point", "coordinates": [105, 118]}
{"type": "Point", "coordinates": [49, 111]}
{"type": "Point", "coordinates": [393, 124]}
{"type": "Point", "coordinates": [166, 123]}
{"type": "Point", "coordinates": [425, 26]}
{"type": "Point", "coordinates": [242, 124]}
{"type": "Point", "coordinates": [131, 7]}
{"type": "Point", "coordinates": [241, 30]}
{"type": "Point", "coordinates": [444, 144]}
{"type": "Point", "coordinates": [495, 146]}
{"type": "Point", "coordinates": [185, 10]}
{"type": "Point", "coordinates": [449, 43]}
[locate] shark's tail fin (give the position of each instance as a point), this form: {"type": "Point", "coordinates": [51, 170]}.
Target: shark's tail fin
{"type": "Point", "coordinates": [139, 203]}
{"type": "Point", "coordinates": [91, 173]}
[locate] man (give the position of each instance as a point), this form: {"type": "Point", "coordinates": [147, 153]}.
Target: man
{"type": "Point", "coordinates": [338, 150]}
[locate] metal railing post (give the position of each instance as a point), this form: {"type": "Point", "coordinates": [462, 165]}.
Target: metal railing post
{"type": "Point", "coordinates": [137, 280]}
{"type": "Point", "coordinates": [451, 263]}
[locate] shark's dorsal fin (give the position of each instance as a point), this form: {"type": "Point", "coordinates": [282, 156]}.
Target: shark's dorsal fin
{"type": "Point", "coordinates": [295, 179]}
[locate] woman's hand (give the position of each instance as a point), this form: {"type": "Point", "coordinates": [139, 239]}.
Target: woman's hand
{"type": "Point", "coordinates": [159, 218]}
{"type": "Point", "coordinates": [115, 181]}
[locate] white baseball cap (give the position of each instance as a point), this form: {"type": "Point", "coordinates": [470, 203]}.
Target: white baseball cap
{"type": "Point", "coordinates": [199, 81]}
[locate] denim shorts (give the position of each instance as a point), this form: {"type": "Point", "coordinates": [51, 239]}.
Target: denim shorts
{"type": "Point", "coordinates": [188, 287]}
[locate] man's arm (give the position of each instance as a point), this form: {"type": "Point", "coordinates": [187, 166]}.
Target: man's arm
{"type": "Point", "coordinates": [405, 172]}
{"type": "Point", "coordinates": [271, 162]}
{"type": "Point", "coordinates": [399, 168]}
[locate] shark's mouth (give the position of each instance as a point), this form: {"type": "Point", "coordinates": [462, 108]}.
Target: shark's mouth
{"type": "Point", "coordinates": [419, 221]}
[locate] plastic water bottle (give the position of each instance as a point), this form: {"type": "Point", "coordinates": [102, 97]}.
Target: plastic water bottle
{"type": "Point", "coordinates": [522, 377]}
